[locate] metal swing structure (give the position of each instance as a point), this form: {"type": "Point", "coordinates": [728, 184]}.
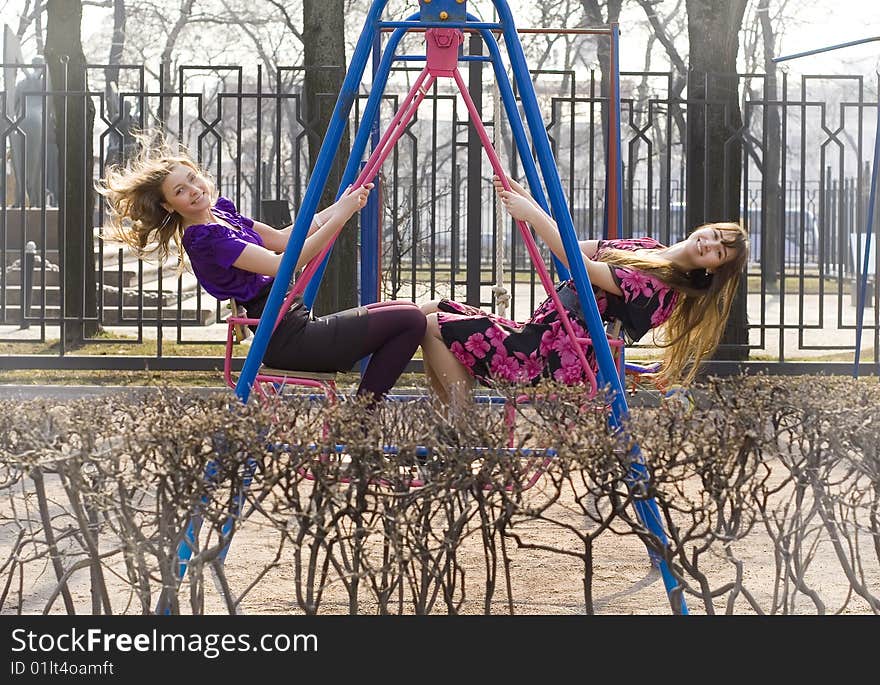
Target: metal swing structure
{"type": "Point", "coordinates": [443, 23]}
{"type": "Point", "coordinates": [872, 199]}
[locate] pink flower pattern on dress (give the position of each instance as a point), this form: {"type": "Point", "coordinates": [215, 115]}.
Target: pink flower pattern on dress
{"type": "Point", "coordinates": [664, 311]}
{"type": "Point", "coordinates": [496, 337]}
{"type": "Point", "coordinates": [504, 367]}
{"type": "Point", "coordinates": [636, 282]}
{"type": "Point", "coordinates": [477, 345]}
{"type": "Point", "coordinates": [462, 354]}
{"type": "Point", "coordinates": [531, 366]}
{"type": "Point", "coordinates": [492, 347]}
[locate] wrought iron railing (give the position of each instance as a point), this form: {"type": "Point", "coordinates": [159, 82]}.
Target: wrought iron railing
{"type": "Point", "coordinates": [250, 130]}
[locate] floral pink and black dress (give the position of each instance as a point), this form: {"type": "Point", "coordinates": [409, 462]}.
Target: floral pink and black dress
{"type": "Point", "coordinates": [495, 348]}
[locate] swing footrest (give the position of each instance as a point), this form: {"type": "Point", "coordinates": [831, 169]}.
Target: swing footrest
{"type": "Point", "coordinates": [290, 373]}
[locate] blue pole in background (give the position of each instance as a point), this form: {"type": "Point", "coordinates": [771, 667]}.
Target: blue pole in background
{"type": "Point", "coordinates": [869, 222]}
{"type": "Point", "coordinates": [869, 227]}
{"type": "Point", "coordinates": [370, 213]}
{"type": "Point", "coordinates": [830, 47]}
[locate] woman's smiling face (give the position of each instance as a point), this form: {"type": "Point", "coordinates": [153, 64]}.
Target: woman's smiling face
{"type": "Point", "coordinates": [706, 248]}
{"type": "Point", "coordinates": [186, 192]}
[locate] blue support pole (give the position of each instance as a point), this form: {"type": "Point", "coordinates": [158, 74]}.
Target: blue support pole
{"type": "Point", "coordinates": [338, 122]}
{"type": "Point", "coordinates": [608, 375]}
{"type": "Point", "coordinates": [186, 546]}
{"type": "Point", "coordinates": [869, 227]}
{"type": "Point", "coordinates": [238, 500]}
{"type": "Point", "coordinates": [370, 250]}
{"type": "Point", "coordinates": [869, 223]}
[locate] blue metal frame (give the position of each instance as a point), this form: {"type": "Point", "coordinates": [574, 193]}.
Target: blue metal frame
{"type": "Point", "coordinates": [608, 376]}
{"type": "Point", "coordinates": [869, 227]}
{"type": "Point", "coordinates": [869, 219]}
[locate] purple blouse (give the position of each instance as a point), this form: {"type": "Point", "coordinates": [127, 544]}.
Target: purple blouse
{"type": "Point", "coordinates": [212, 248]}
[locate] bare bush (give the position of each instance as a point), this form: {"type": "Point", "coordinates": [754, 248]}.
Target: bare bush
{"type": "Point", "coordinates": [122, 506]}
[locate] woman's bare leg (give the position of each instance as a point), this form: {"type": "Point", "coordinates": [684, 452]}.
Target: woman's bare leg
{"type": "Point", "coordinates": [446, 372]}
{"type": "Point", "coordinates": [436, 386]}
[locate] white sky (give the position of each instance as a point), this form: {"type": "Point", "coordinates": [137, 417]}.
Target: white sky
{"type": "Point", "coordinates": [818, 23]}
{"type": "Point", "coordinates": [831, 22]}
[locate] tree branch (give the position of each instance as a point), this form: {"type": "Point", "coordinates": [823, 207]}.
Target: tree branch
{"type": "Point", "coordinates": [287, 20]}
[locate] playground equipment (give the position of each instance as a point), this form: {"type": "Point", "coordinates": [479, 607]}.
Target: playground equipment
{"type": "Point", "coordinates": [443, 23]}
{"type": "Point", "coordinates": [269, 382]}
{"type": "Point", "coordinates": [872, 199]}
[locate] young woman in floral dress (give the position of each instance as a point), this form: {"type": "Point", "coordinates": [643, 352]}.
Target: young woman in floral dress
{"type": "Point", "coordinates": [685, 290]}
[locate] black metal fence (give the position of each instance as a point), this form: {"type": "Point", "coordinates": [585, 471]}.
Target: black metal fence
{"type": "Point", "coordinates": [249, 128]}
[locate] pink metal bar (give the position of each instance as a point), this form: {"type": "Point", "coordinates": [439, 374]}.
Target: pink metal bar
{"type": "Point", "coordinates": [398, 125]}
{"type": "Point", "coordinates": [532, 248]}
{"type": "Point", "coordinates": [395, 129]}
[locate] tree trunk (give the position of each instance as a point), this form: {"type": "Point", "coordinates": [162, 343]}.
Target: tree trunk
{"type": "Point", "coordinates": [166, 73]}
{"type": "Point", "coordinates": [324, 55]}
{"type": "Point", "coordinates": [666, 230]}
{"type": "Point", "coordinates": [74, 117]}
{"type": "Point", "coordinates": [772, 225]}
{"type": "Point", "coordinates": [114, 59]}
{"type": "Point", "coordinates": [714, 155]}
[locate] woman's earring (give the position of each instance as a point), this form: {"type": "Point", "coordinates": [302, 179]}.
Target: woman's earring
{"type": "Point", "coordinates": [166, 220]}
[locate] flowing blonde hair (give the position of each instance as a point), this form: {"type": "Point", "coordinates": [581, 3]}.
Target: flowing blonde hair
{"type": "Point", "coordinates": [134, 195]}
{"type": "Point", "coordinates": [694, 329]}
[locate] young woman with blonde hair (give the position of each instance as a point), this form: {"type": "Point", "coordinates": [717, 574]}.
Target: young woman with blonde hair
{"type": "Point", "coordinates": [684, 290]}
{"type": "Point", "coordinates": [162, 197]}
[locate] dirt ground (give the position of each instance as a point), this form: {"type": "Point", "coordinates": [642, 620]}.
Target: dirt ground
{"type": "Point", "coordinates": [551, 583]}
{"type": "Point", "coordinates": [542, 583]}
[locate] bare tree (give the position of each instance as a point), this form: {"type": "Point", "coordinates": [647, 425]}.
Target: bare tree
{"type": "Point", "coordinates": [594, 16]}
{"type": "Point", "coordinates": [667, 29]}
{"type": "Point", "coordinates": [32, 15]}
{"type": "Point", "coordinates": [117, 46]}
{"type": "Point", "coordinates": [714, 150]}
{"type": "Point", "coordinates": [772, 223]}
{"type": "Point", "coordinates": [323, 24]}
{"type": "Point", "coordinates": [75, 118]}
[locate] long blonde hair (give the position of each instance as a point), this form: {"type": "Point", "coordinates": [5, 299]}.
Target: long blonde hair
{"type": "Point", "coordinates": [134, 195]}
{"type": "Point", "coordinates": [694, 329]}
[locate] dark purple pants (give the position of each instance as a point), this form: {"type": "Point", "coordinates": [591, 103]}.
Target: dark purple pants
{"type": "Point", "coordinates": [388, 332]}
